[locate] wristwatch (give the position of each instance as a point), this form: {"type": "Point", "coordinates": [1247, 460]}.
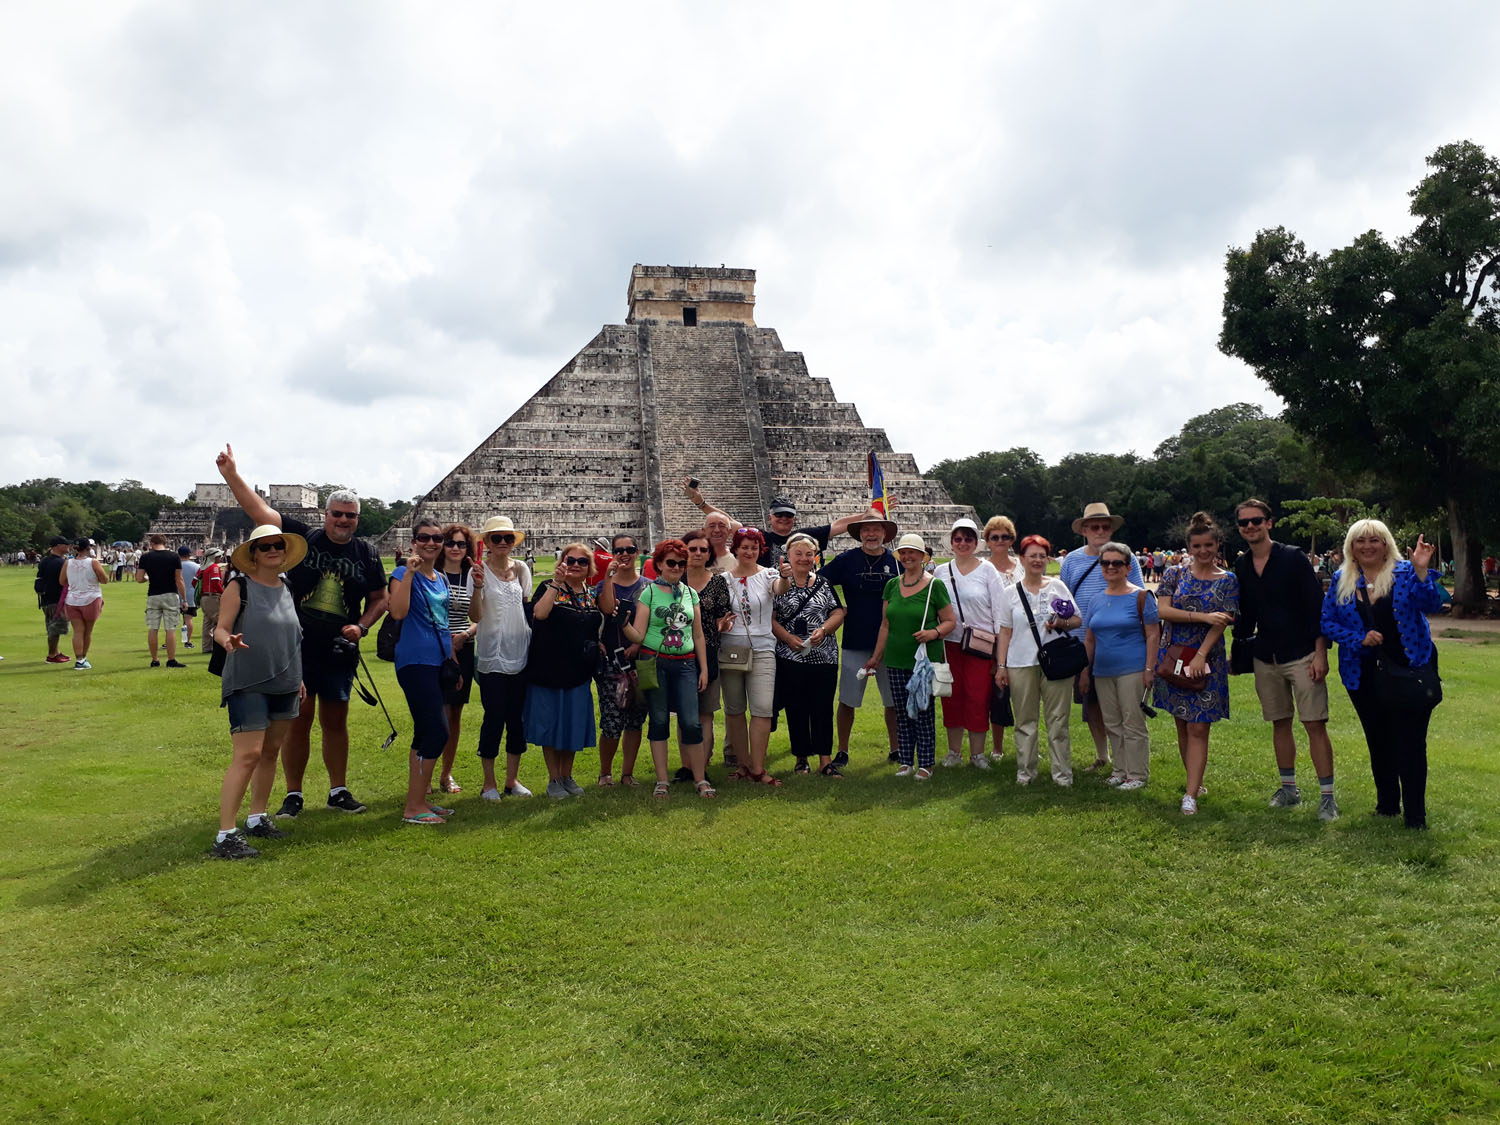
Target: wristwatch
{"type": "Point", "coordinates": [364, 630]}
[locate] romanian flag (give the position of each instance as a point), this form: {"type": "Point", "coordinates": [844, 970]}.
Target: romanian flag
{"type": "Point", "coordinates": [879, 501]}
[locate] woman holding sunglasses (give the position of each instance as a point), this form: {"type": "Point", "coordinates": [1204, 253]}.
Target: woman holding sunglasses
{"type": "Point", "coordinates": [977, 591]}
{"type": "Point", "coordinates": [1122, 630]}
{"type": "Point", "coordinates": [420, 600]}
{"type": "Point", "coordinates": [999, 537]}
{"type": "Point", "coordinates": [262, 687]}
{"type": "Point", "coordinates": [565, 627]}
{"type": "Point", "coordinates": [668, 628]}
{"type": "Point", "coordinates": [459, 552]}
{"type": "Point", "coordinates": [747, 655]}
{"type": "Point", "coordinates": [497, 607]}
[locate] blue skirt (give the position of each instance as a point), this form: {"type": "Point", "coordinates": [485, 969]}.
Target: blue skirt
{"type": "Point", "coordinates": [562, 718]}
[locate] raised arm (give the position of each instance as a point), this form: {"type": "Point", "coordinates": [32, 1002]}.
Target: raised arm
{"type": "Point", "coordinates": [251, 501]}
{"type": "Point", "coordinates": [696, 496]}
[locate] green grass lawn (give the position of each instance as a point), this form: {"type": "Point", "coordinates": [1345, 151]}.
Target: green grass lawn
{"type": "Point", "coordinates": [866, 950]}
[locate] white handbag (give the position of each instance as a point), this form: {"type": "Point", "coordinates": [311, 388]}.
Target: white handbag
{"type": "Point", "coordinates": [942, 675]}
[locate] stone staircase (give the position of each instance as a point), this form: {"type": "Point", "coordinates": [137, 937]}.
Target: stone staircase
{"type": "Point", "coordinates": [703, 428]}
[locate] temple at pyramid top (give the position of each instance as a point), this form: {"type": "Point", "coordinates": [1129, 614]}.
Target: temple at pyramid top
{"type": "Point", "coordinates": [688, 386]}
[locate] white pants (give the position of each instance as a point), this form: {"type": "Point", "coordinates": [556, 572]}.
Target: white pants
{"type": "Point", "coordinates": [1030, 693]}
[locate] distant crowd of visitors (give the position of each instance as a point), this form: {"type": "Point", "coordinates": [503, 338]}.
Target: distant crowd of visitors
{"type": "Point", "coordinates": [762, 625]}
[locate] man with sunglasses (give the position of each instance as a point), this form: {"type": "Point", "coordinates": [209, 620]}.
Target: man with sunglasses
{"type": "Point", "coordinates": [1281, 604]}
{"type": "Point", "coordinates": [339, 588]}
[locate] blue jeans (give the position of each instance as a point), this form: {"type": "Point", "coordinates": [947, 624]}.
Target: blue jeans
{"type": "Point", "coordinates": [676, 690]}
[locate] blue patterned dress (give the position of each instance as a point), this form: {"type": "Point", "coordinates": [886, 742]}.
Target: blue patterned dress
{"type": "Point", "coordinates": [1194, 595]}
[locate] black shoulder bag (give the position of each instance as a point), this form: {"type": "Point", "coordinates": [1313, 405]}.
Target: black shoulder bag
{"type": "Point", "coordinates": [1405, 688]}
{"type": "Point", "coordinates": [1062, 658]}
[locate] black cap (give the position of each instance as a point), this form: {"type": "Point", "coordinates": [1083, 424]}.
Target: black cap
{"type": "Point", "coordinates": [781, 506]}
{"type": "Point", "coordinates": [58, 541]}
{"type": "Point", "coordinates": [184, 551]}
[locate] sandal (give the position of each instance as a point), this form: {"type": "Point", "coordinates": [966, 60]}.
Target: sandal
{"type": "Point", "coordinates": [801, 766]}
{"type": "Point", "coordinates": [448, 785]}
{"type": "Point", "coordinates": [606, 781]}
{"type": "Point", "coordinates": [628, 780]}
{"type": "Point", "coordinates": [663, 790]}
{"type": "Point", "coordinates": [731, 759]}
{"type": "Point", "coordinates": [924, 774]}
{"type": "Point", "coordinates": [742, 774]}
{"type": "Point", "coordinates": [763, 778]}
{"type": "Point", "coordinates": [706, 789]}
{"type": "Point", "coordinates": [440, 811]}
{"type": "Point", "coordinates": [429, 818]}
{"type": "Point", "coordinates": [831, 770]}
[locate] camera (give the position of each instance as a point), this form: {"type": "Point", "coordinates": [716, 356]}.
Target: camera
{"type": "Point", "coordinates": [694, 482]}
{"type": "Point", "coordinates": [343, 649]}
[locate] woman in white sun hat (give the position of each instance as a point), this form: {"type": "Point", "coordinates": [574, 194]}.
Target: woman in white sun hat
{"type": "Point", "coordinates": [498, 589]}
{"type": "Point", "coordinates": [976, 589]}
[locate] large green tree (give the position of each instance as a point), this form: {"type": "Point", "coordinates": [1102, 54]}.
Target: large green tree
{"type": "Point", "coordinates": [1388, 353]}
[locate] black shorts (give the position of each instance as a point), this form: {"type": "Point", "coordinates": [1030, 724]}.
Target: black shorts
{"type": "Point", "coordinates": [325, 676]}
{"type": "Point", "coordinates": [190, 611]}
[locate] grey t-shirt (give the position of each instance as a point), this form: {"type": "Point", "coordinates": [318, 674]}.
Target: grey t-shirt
{"type": "Point", "coordinates": [272, 665]}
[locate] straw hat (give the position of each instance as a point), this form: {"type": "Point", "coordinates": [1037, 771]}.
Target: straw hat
{"type": "Point", "coordinates": [911, 541]}
{"type": "Point", "coordinates": [1097, 512]}
{"type": "Point", "coordinates": [873, 516]}
{"type": "Point", "coordinates": [497, 524]}
{"type": "Point", "coordinates": [296, 548]}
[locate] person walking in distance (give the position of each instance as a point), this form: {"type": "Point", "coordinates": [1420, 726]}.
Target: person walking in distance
{"type": "Point", "coordinates": [49, 592]}
{"type": "Point", "coordinates": [161, 569]}
{"type": "Point", "coordinates": [1281, 609]}
{"type": "Point", "coordinates": [339, 588]}
{"type": "Point", "coordinates": [1080, 573]}
{"type": "Point", "coordinates": [189, 593]}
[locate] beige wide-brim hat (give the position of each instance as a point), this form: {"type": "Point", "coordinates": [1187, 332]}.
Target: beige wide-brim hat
{"type": "Point", "coordinates": [872, 516]}
{"type": "Point", "coordinates": [1097, 512]}
{"type": "Point", "coordinates": [496, 524]}
{"type": "Point", "coordinates": [911, 541]}
{"type": "Point", "coordinates": [296, 548]}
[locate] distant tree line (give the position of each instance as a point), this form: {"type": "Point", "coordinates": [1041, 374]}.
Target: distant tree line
{"type": "Point", "coordinates": [1215, 461]}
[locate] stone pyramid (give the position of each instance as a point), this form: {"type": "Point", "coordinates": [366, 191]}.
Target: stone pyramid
{"type": "Point", "coordinates": [687, 386]}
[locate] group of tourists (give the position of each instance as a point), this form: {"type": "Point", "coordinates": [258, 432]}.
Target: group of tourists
{"type": "Point", "coordinates": [762, 624]}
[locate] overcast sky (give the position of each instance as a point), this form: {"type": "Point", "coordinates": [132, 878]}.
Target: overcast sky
{"type": "Point", "coordinates": [352, 238]}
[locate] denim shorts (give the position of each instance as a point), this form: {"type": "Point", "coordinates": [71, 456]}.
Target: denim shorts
{"type": "Point", "coordinates": [253, 710]}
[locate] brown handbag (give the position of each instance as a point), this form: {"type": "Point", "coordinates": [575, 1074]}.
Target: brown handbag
{"type": "Point", "coordinates": [1173, 665]}
{"type": "Point", "coordinates": [975, 642]}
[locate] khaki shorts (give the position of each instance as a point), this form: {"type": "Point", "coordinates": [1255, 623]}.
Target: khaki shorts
{"type": "Point", "coordinates": [163, 610]}
{"type": "Point", "coordinates": [754, 690]}
{"type": "Point", "coordinates": [1279, 686]}
{"type": "Point", "coordinates": [708, 698]}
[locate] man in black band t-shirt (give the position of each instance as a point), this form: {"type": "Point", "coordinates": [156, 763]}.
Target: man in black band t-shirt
{"type": "Point", "coordinates": [339, 588]}
{"type": "Point", "coordinates": [48, 588]}
{"type": "Point", "coordinates": [1281, 608]}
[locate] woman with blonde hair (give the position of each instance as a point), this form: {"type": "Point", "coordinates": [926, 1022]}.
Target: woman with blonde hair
{"type": "Point", "coordinates": [1374, 612]}
{"type": "Point", "coordinates": [498, 590]}
{"type": "Point", "coordinates": [1000, 537]}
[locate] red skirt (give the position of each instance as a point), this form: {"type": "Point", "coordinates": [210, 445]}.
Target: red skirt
{"type": "Point", "coordinates": [968, 708]}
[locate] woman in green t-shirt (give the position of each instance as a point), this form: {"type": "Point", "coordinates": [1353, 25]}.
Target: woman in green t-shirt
{"type": "Point", "coordinates": [917, 611]}
{"type": "Point", "coordinates": [668, 626]}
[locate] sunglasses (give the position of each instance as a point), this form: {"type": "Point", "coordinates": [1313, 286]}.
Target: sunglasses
{"type": "Point", "coordinates": [674, 562]}
{"type": "Point", "coordinates": [502, 540]}
{"type": "Point", "coordinates": [1001, 537]}
{"type": "Point", "coordinates": [697, 550]}
{"type": "Point", "coordinates": [344, 515]}
{"type": "Point", "coordinates": [455, 543]}
{"type": "Point", "coordinates": [960, 537]}
{"type": "Point", "coordinates": [626, 550]}
{"type": "Point", "coordinates": [268, 545]}
{"type": "Point", "coordinates": [1111, 564]}
{"type": "Point", "coordinates": [576, 560]}
{"type": "Point", "coordinates": [1251, 521]}
{"type": "Point", "coordinates": [425, 538]}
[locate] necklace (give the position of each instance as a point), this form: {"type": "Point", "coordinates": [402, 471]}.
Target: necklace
{"type": "Point", "coordinates": [908, 585]}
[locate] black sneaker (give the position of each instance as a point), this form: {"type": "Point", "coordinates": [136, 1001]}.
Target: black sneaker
{"type": "Point", "coordinates": [290, 807]}
{"type": "Point", "coordinates": [801, 766]}
{"type": "Point", "coordinates": [156, 664]}
{"type": "Point", "coordinates": [893, 756]}
{"type": "Point", "coordinates": [683, 774]}
{"type": "Point", "coordinates": [233, 846]}
{"type": "Point", "coordinates": [187, 644]}
{"type": "Point", "coordinates": [841, 758]}
{"type": "Point", "coordinates": [344, 801]}
{"type": "Point", "coordinates": [265, 829]}
{"type": "Point", "coordinates": [175, 664]}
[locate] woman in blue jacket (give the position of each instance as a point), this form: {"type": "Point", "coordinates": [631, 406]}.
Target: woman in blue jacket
{"type": "Point", "coordinates": [1374, 610]}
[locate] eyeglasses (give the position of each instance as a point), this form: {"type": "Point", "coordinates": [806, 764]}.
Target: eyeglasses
{"type": "Point", "coordinates": [1111, 564]}
{"type": "Point", "coordinates": [674, 562]}
{"type": "Point", "coordinates": [697, 550]}
{"type": "Point", "coordinates": [502, 540]}
{"type": "Point", "coordinates": [268, 545]}
{"type": "Point", "coordinates": [1001, 537]}
{"type": "Point", "coordinates": [575, 560]}
{"type": "Point", "coordinates": [960, 537]}
{"type": "Point", "coordinates": [425, 538]}
{"type": "Point", "coordinates": [343, 515]}
{"type": "Point", "coordinates": [455, 543]}
{"type": "Point", "coordinates": [1251, 521]}
{"type": "Point", "coordinates": [626, 550]}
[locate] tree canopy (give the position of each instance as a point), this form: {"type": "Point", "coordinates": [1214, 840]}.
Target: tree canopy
{"type": "Point", "coordinates": [1387, 353]}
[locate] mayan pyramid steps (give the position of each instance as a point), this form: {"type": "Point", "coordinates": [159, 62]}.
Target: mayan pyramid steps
{"type": "Point", "coordinates": [688, 386]}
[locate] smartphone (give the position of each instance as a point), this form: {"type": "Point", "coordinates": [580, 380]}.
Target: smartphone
{"type": "Point", "coordinates": [694, 482]}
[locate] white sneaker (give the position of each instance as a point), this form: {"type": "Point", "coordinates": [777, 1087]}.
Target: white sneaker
{"type": "Point", "coordinates": [516, 790]}
{"type": "Point", "coordinates": [1115, 779]}
{"type": "Point", "coordinates": [490, 795]}
{"type": "Point", "coordinates": [1132, 785]}
{"type": "Point", "coordinates": [904, 771]}
{"type": "Point", "coordinates": [1189, 805]}
{"type": "Point", "coordinates": [954, 758]}
{"type": "Point", "coordinates": [1022, 780]}
{"type": "Point", "coordinates": [979, 761]}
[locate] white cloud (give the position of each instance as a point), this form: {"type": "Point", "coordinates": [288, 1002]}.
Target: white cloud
{"type": "Point", "coordinates": [353, 238]}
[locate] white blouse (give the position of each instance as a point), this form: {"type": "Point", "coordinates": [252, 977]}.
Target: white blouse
{"type": "Point", "coordinates": [503, 637]}
{"type": "Point", "coordinates": [975, 596]}
{"type": "Point", "coordinates": [1023, 650]}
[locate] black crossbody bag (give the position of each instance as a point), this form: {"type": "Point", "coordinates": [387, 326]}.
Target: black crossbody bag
{"type": "Point", "coordinates": [1061, 659]}
{"type": "Point", "coordinates": [1404, 687]}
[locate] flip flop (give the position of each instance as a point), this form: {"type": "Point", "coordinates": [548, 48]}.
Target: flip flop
{"type": "Point", "coordinates": [438, 810]}
{"type": "Point", "coordinates": [423, 818]}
